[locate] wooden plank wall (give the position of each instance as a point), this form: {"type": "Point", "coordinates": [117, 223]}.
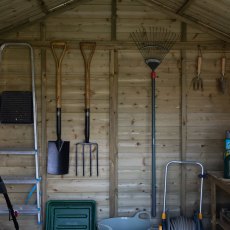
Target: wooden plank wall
{"type": "Point", "coordinates": [207, 112]}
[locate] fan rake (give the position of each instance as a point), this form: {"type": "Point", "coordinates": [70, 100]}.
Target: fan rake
{"type": "Point", "coordinates": [153, 45]}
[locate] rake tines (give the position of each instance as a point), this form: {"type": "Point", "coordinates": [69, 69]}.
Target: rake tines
{"type": "Point", "coordinates": [154, 44]}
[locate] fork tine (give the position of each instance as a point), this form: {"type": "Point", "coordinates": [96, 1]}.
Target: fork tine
{"type": "Point", "coordinates": [90, 160]}
{"type": "Point", "coordinates": [97, 164]}
{"type": "Point", "coordinates": [83, 160]}
{"type": "Point", "coordinates": [76, 159]}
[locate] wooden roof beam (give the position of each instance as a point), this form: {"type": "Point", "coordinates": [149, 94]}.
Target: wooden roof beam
{"type": "Point", "coordinates": [208, 46]}
{"type": "Point", "coordinates": [55, 10]}
{"type": "Point", "coordinates": [43, 6]}
{"type": "Point", "coordinates": [187, 19]}
{"type": "Point", "coordinates": [62, 5]}
{"type": "Point", "coordinates": [185, 6]}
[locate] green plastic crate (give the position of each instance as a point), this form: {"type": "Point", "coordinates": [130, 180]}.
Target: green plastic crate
{"type": "Point", "coordinates": [70, 214]}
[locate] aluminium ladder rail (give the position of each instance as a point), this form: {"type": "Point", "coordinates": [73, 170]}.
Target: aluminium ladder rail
{"type": "Point", "coordinates": [26, 209]}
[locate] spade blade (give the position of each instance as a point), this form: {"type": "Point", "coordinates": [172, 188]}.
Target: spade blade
{"type": "Point", "coordinates": [58, 157]}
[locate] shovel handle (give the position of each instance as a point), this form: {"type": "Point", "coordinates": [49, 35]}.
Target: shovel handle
{"type": "Point", "coordinates": [223, 64]}
{"type": "Point", "coordinates": [58, 61]}
{"type": "Point", "coordinates": [87, 51]}
{"type": "Point", "coordinates": [199, 63]}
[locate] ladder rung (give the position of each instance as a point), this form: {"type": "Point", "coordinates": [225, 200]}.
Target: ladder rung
{"type": "Point", "coordinates": [21, 209]}
{"type": "Point", "coordinates": [19, 180]}
{"type": "Point", "coordinates": [18, 151]}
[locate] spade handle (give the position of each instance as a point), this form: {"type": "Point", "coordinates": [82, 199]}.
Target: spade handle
{"type": "Point", "coordinates": [58, 61]}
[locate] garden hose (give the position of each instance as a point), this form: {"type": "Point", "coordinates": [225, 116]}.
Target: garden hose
{"type": "Point", "coordinates": [182, 223]}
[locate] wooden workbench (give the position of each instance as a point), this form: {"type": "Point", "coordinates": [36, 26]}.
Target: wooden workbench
{"type": "Point", "coordinates": [216, 180]}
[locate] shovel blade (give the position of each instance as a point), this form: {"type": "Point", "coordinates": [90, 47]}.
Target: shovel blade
{"type": "Point", "coordinates": [58, 157]}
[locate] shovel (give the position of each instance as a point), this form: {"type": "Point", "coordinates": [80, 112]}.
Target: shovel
{"type": "Point", "coordinates": [87, 50]}
{"type": "Point", "coordinates": [58, 151]}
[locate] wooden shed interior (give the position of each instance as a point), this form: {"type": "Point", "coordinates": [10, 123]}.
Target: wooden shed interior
{"type": "Point", "coordinates": [190, 125]}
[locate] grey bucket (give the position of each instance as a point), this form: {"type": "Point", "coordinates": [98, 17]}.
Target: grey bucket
{"type": "Point", "coordinates": [140, 221]}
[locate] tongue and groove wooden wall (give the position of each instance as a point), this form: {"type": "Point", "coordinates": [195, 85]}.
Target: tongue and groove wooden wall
{"type": "Point", "coordinates": [189, 124]}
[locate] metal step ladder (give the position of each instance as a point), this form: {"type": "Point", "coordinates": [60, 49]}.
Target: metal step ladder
{"type": "Point", "coordinates": [36, 179]}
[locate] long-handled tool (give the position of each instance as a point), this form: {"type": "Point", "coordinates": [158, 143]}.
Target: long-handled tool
{"type": "Point", "coordinates": [222, 80]}
{"type": "Point", "coordinates": [153, 45]}
{"type": "Point", "coordinates": [58, 151]}
{"type": "Point", "coordinates": [87, 50]}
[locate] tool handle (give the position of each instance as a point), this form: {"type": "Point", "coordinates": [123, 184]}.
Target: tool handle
{"type": "Point", "coordinates": [87, 50]}
{"type": "Point", "coordinates": [223, 64]}
{"type": "Point", "coordinates": [58, 124]}
{"type": "Point", "coordinates": [199, 63]}
{"type": "Point", "coordinates": [87, 125]}
{"type": "Point", "coordinates": [58, 61]}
